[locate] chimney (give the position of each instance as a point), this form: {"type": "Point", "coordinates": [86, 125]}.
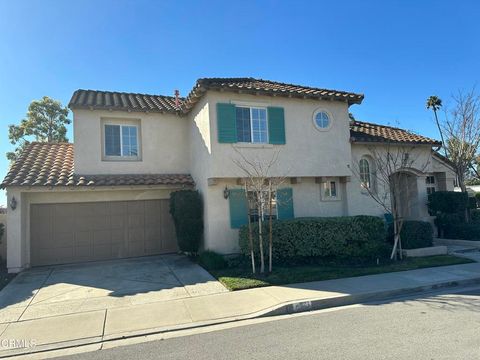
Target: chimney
{"type": "Point", "coordinates": [177, 94]}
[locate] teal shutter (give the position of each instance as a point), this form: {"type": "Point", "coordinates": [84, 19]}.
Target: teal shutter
{"type": "Point", "coordinates": [285, 204]}
{"type": "Point", "coordinates": [238, 208]}
{"type": "Point", "coordinates": [226, 123]}
{"type": "Point", "coordinates": [276, 125]}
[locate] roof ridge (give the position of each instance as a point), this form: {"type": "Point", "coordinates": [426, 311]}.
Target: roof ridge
{"type": "Point", "coordinates": [131, 93]}
{"type": "Point", "coordinates": [279, 83]}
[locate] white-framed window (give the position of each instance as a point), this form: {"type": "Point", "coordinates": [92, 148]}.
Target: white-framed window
{"type": "Point", "coordinates": [322, 119]}
{"type": "Point", "coordinates": [330, 190]}
{"type": "Point", "coordinates": [365, 176]}
{"type": "Point", "coordinates": [254, 201]}
{"type": "Point", "coordinates": [252, 125]}
{"type": "Point", "coordinates": [121, 141]}
{"type": "Point", "coordinates": [431, 184]}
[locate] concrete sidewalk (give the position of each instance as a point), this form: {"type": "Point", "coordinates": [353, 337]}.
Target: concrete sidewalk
{"type": "Point", "coordinates": [95, 326]}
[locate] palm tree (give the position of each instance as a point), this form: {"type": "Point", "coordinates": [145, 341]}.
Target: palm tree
{"type": "Point", "coordinates": [435, 103]}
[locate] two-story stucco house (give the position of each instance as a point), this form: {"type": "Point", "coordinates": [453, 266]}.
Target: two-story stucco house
{"type": "Point", "coordinates": [106, 195]}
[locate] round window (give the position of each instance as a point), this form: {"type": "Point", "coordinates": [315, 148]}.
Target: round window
{"type": "Point", "coordinates": [322, 120]}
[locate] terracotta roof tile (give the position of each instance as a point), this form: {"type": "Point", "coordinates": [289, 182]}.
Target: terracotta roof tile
{"type": "Point", "coordinates": [44, 164]}
{"type": "Point", "coordinates": [367, 132]}
{"type": "Point", "coordinates": [111, 100]}
{"type": "Point", "coordinates": [266, 87]}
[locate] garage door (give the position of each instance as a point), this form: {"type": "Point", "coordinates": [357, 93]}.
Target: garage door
{"type": "Point", "coordinates": [76, 232]}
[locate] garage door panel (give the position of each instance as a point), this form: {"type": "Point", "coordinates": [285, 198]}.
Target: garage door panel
{"type": "Point", "coordinates": [61, 239]}
{"type": "Point", "coordinates": [64, 210]}
{"type": "Point", "coordinates": [136, 220]}
{"type": "Point", "coordinates": [73, 232]}
{"type": "Point", "coordinates": [83, 238]}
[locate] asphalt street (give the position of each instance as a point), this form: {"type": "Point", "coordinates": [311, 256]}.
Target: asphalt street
{"type": "Point", "coordinates": [443, 325]}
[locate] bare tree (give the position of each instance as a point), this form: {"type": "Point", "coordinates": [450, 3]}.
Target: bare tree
{"type": "Point", "coordinates": [260, 190]}
{"type": "Point", "coordinates": [389, 182]}
{"type": "Point", "coordinates": [462, 129]}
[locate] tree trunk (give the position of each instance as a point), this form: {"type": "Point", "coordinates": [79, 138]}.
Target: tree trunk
{"type": "Point", "coordinates": [250, 235]}
{"type": "Point", "coordinates": [270, 239]}
{"type": "Point", "coordinates": [260, 234]}
{"type": "Point", "coordinates": [441, 133]}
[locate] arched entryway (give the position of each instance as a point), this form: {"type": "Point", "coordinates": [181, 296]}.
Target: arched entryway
{"type": "Point", "coordinates": [403, 184]}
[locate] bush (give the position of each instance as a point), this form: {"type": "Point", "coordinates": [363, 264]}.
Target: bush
{"type": "Point", "coordinates": [416, 234]}
{"type": "Point", "coordinates": [465, 231]}
{"type": "Point", "coordinates": [358, 238]}
{"type": "Point", "coordinates": [187, 211]}
{"type": "Point", "coordinates": [472, 202]}
{"type": "Point", "coordinates": [211, 260]}
{"type": "Point", "coordinates": [475, 215]}
{"type": "Point", "coordinates": [448, 202]}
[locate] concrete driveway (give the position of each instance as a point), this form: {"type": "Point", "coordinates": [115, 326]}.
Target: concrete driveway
{"type": "Point", "coordinates": [69, 289]}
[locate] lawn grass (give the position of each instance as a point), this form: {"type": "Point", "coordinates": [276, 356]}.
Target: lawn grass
{"type": "Point", "coordinates": [241, 278]}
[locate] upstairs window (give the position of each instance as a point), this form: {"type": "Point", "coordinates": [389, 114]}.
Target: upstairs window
{"type": "Point", "coordinates": [121, 141]}
{"type": "Point", "coordinates": [364, 167]}
{"type": "Point", "coordinates": [251, 125]}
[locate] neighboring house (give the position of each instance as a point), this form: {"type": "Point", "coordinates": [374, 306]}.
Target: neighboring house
{"type": "Point", "coordinates": [106, 195]}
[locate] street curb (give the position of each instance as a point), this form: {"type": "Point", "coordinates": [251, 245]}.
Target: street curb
{"type": "Point", "coordinates": [292, 307]}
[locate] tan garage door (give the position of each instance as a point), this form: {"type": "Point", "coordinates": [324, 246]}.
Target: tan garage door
{"type": "Point", "coordinates": [75, 232]}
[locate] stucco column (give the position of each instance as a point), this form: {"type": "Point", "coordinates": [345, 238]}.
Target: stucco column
{"type": "Point", "coordinates": [16, 232]}
{"type": "Point", "coordinates": [422, 199]}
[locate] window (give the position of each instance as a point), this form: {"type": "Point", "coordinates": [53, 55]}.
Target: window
{"type": "Point", "coordinates": [321, 120]}
{"type": "Point", "coordinates": [330, 189]}
{"type": "Point", "coordinates": [121, 140]}
{"type": "Point", "coordinates": [365, 173]}
{"type": "Point", "coordinates": [430, 182]}
{"type": "Point", "coordinates": [252, 125]}
{"type": "Point", "coordinates": [253, 206]}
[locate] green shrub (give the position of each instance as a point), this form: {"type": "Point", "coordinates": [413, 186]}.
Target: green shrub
{"type": "Point", "coordinates": [416, 234]}
{"type": "Point", "coordinates": [358, 238]}
{"type": "Point", "coordinates": [211, 260]}
{"type": "Point", "coordinates": [448, 202]}
{"type": "Point", "coordinates": [475, 215]}
{"type": "Point", "coordinates": [186, 208]}
{"type": "Point", "coordinates": [465, 231]}
{"type": "Point", "coordinates": [472, 202]}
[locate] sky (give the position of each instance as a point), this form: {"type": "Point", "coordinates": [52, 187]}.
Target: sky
{"type": "Point", "coordinates": [397, 53]}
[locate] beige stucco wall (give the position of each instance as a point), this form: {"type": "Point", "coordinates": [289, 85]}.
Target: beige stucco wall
{"type": "Point", "coordinates": [307, 152]}
{"type": "Point", "coordinates": [18, 220]}
{"type": "Point", "coordinates": [164, 145]}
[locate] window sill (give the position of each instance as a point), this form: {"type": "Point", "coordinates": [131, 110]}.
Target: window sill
{"type": "Point", "coordinates": [121, 159]}
{"type": "Point", "coordinates": [331, 199]}
{"type": "Point", "coordinates": [253, 145]}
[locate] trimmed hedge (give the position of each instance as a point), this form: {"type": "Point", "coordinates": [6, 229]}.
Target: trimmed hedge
{"type": "Point", "coordinates": [475, 215]}
{"type": "Point", "coordinates": [186, 208]}
{"type": "Point", "coordinates": [465, 231]}
{"type": "Point", "coordinates": [416, 234]}
{"type": "Point", "coordinates": [211, 260]}
{"type": "Point", "coordinates": [449, 202]}
{"type": "Point", "coordinates": [357, 238]}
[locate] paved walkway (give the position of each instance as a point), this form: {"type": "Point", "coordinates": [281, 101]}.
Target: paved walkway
{"type": "Point", "coordinates": [135, 319]}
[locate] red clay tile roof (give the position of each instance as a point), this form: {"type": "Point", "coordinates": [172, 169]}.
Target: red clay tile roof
{"type": "Point", "coordinates": [44, 164]}
{"type": "Point", "coordinates": [367, 132]}
{"type": "Point", "coordinates": [108, 100]}
{"type": "Point", "coordinates": [266, 87]}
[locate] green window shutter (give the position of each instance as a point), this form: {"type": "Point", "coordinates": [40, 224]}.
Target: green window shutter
{"type": "Point", "coordinates": [276, 125]}
{"type": "Point", "coordinates": [226, 123]}
{"type": "Point", "coordinates": [285, 204]}
{"type": "Point", "coordinates": [238, 208]}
